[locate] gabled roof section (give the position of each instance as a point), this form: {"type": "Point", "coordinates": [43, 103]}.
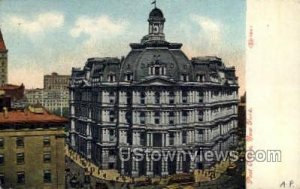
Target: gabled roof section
{"type": "Point", "coordinates": [156, 81]}
{"type": "Point", "coordinates": [2, 43]}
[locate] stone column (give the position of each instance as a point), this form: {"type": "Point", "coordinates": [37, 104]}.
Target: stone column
{"type": "Point", "coordinates": [104, 159]}
{"type": "Point", "coordinates": [135, 167]}
{"type": "Point", "coordinates": [192, 165]}
{"type": "Point", "coordinates": [151, 134]}
{"type": "Point", "coordinates": [148, 139]}
{"type": "Point", "coordinates": [167, 139]}
{"type": "Point", "coordinates": [179, 164]}
{"type": "Point", "coordinates": [122, 167]}
{"type": "Point", "coordinates": [164, 167]}
{"type": "Point", "coordinates": [149, 167]}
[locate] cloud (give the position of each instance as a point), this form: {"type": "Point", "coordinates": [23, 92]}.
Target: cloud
{"type": "Point", "coordinates": [98, 28]}
{"type": "Point", "coordinates": [209, 33]}
{"type": "Point", "coordinates": [40, 24]}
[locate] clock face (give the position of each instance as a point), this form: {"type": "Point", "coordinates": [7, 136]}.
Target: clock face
{"type": "Point", "coordinates": [155, 29]}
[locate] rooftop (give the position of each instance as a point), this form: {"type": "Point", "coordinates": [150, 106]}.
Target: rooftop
{"type": "Point", "coordinates": [10, 87]}
{"type": "Point", "coordinates": [33, 114]}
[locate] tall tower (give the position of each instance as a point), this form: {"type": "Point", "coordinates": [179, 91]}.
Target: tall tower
{"type": "Point", "coordinates": [3, 61]}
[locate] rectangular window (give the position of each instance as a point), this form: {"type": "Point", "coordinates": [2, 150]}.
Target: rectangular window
{"type": "Point", "coordinates": [46, 141]}
{"type": "Point", "coordinates": [156, 70]}
{"type": "Point", "coordinates": [142, 118]}
{"type": "Point", "coordinates": [184, 116]}
{"type": "Point", "coordinates": [20, 142]}
{"type": "Point", "coordinates": [1, 159]}
{"type": "Point", "coordinates": [171, 118]}
{"type": "Point", "coordinates": [2, 180]}
{"type": "Point", "coordinates": [156, 118]}
{"type": "Point", "coordinates": [21, 177]}
{"type": "Point", "coordinates": [171, 98]}
{"type": "Point", "coordinates": [200, 115]}
{"type": "Point", "coordinates": [184, 97]}
{"type": "Point", "coordinates": [47, 157]}
{"type": "Point", "coordinates": [184, 136]}
{"type": "Point", "coordinates": [111, 135]}
{"type": "Point", "coordinates": [1, 142]}
{"type": "Point", "coordinates": [201, 95]}
{"type": "Point", "coordinates": [47, 176]}
{"type": "Point", "coordinates": [171, 139]}
{"type": "Point", "coordinates": [20, 158]}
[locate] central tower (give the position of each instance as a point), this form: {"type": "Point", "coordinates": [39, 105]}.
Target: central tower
{"type": "Point", "coordinates": [156, 26]}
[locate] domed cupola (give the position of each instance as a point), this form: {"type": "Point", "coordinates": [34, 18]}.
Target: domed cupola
{"type": "Point", "coordinates": [156, 26]}
{"type": "Point", "coordinates": [156, 14]}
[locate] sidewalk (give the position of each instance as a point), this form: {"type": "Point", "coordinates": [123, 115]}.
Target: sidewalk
{"type": "Point", "coordinates": [93, 170]}
{"type": "Point", "coordinates": [113, 175]}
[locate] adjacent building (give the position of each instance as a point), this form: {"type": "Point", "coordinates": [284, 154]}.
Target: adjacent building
{"type": "Point", "coordinates": [56, 81]}
{"type": "Point", "coordinates": [31, 149]}
{"type": "Point", "coordinates": [16, 94]}
{"type": "Point", "coordinates": [55, 94]}
{"type": "Point", "coordinates": [3, 61]}
{"type": "Point", "coordinates": [155, 99]}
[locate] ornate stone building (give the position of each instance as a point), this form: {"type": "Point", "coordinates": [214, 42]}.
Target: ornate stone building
{"type": "Point", "coordinates": [154, 99]}
{"type": "Point", "coordinates": [3, 61]}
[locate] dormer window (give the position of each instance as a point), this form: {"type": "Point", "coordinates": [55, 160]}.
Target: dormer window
{"type": "Point", "coordinates": [184, 77]}
{"type": "Point", "coordinates": [200, 78]}
{"type": "Point", "coordinates": [157, 69]}
{"type": "Point", "coordinates": [111, 78]}
{"type": "Point", "coordinates": [128, 77]}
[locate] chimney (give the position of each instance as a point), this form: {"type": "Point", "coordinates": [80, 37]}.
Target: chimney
{"type": "Point", "coordinates": [5, 112]}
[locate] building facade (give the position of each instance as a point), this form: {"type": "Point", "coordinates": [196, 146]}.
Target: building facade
{"type": "Point", "coordinates": [52, 100]}
{"type": "Point", "coordinates": [31, 149]}
{"type": "Point", "coordinates": [56, 81]}
{"type": "Point", "coordinates": [3, 61]}
{"type": "Point", "coordinates": [55, 94]}
{"type": "Point", "coordinates": [16, 93]}
{"type": "Point", "coordinates": [155, 99]}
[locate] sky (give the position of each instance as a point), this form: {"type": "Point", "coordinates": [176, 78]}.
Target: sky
{"type": "Point", "coordinates": [53, 36]}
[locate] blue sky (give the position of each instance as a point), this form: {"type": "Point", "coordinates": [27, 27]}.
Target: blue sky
{"type": "Point", "coordinates": [47, 36]}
